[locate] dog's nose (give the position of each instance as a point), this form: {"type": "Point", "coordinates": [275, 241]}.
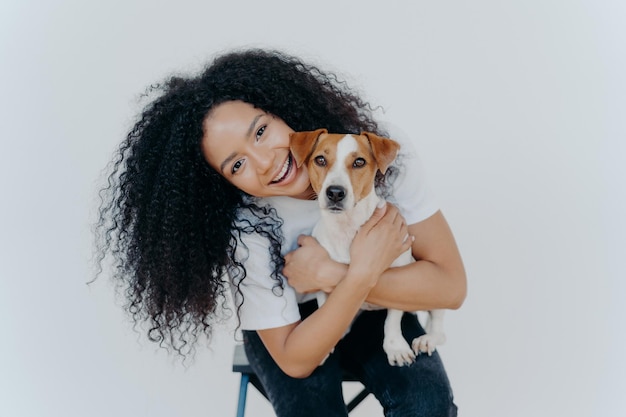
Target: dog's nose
{"type": "Point", "coordinates": [335, 193]}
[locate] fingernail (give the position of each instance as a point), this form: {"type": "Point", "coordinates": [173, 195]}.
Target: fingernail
{"type": "Point", "coordinates": [381, 204]}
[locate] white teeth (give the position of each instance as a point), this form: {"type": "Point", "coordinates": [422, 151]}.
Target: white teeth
{"type": "Point", "coordinates": [283, 171]}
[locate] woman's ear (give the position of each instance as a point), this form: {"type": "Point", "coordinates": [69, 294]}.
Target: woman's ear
{"type": "Point", "coordinates": [303, 143]}
{"type": "Point", "coordinates": [384, 150]}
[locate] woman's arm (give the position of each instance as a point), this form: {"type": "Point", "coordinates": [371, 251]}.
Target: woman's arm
{"type": "Point", "coordinates": [436, 280]}
{"type": "Point", "coordinates": [300, 347]}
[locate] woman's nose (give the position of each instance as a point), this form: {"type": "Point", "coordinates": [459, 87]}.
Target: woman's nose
{"type": "Point", "coordinates": [264, 160]}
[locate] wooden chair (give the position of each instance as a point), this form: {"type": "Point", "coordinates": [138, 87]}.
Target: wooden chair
{"type": "Point", "coordinates": [242, 366]}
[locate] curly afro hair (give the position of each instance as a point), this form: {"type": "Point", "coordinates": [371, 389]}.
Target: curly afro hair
{"type": "Point", "coordinates": [168, 221]}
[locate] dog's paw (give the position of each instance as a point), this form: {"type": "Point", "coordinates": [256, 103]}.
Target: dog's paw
{"type": "Point", "coordinates": [427, 343]}
{"type": "Point", "coordinates": [398, 352]}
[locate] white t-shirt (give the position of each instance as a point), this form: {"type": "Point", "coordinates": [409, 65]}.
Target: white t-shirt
{"type": "Point", "coordinates": [262, 308]}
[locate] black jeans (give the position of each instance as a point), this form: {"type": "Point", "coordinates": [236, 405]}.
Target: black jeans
{"type": "Point", "coordinates": [421, 389]}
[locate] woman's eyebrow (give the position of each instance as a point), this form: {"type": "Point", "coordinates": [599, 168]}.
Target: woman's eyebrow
{"type": "Point", "coordinates": [251, 127]}
{"type": "Point", "coordinates": [227, 160]}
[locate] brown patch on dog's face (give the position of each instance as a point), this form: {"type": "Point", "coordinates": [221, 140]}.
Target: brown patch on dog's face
{"type": "Point", "coordinates": [361, 166]}
{"type": "Point", "coordinates": [301, 145]}
{"type": "Point", "coordinates": [385, 150]}
{"type": "Point", "coordinates": [322, 159]}
{"type": "Point", "coordinates": [349, 162]}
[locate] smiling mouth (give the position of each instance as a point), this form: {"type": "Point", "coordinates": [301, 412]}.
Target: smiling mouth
{"type": "Point", "coordinates": [284, 171]}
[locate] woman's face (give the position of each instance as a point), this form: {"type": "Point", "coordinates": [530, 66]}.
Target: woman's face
{"type": "Point", "coordinates": [250, 148]}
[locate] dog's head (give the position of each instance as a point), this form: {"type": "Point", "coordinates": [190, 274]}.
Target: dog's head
{"type": "Point", "coordinates": [342, 168]}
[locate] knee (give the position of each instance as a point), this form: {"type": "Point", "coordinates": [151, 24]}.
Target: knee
{"type": "Point", "coordinates": [439, 405]}
{"type": "Point", "coordinates": [437, 401]}
{"type": "Point", "coordinates": [425, 398]}
{"type": "Point", "coordinates": [307, 398]}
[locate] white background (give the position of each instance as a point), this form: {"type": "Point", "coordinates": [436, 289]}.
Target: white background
{"type": "Point", "coordinates": [517, 108]}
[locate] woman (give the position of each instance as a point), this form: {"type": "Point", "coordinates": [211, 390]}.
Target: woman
{"type": "Point", "coordinates": [205, 184]}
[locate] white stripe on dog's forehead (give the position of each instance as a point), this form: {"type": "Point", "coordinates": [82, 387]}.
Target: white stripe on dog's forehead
{"type": "Point", "coordinates": [345, 147]}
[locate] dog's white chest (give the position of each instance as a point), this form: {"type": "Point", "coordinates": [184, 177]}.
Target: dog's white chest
{"type": "Point", "coordinates": [335, 231]}
{"type": "Point", "coordinates": [335, 240]}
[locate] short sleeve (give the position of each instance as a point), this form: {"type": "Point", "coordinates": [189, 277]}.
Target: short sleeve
{"type": "Point", "coordinates": [263, 305]}
{"type": "Point", "coordinates": [410, 190]}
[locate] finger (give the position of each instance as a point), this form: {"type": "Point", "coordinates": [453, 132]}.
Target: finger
{"type": "Point", "coordinates": [404, 229]}
{"type": "Point", "coordinates": [393, 210]}
{"type": "Point", "coordinates": [398, 218]}
{"type": "Point", "coordinates": [303, 239]}
{"type": "Point", "coordinates": [378, 214]}
{"type": "Point", "coordinates": [408, 243]}
{"type": "Point", "coordinates": [381, 209]}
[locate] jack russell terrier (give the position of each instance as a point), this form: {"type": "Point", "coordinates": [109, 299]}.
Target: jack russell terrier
{"type": "Point", "coordinates": [342, 169]}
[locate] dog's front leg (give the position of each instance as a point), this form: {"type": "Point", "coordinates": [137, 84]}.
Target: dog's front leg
{"type": "Point", "coordinates": [434, 336]}
{"type": "Point", "coordinates": [398, 351]}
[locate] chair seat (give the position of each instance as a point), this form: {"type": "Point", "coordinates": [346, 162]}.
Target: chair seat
{"type": "Point", "coordinates": [242, 366]}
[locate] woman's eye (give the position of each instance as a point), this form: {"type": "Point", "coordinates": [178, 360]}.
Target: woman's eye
{"type": "Point", "coordinates": [259, 132]}
{"type": "Point", "coordinates": [358, 163]}
{"type": "Point", "coordinates": [236, 166]}
{"type": "Point", "coordinates": [320, 161]}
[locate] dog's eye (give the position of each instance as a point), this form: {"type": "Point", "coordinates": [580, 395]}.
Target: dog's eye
{"type": "Point", "coordinates": [358, 163]}
{"type": "Point", "coordinates": [320, 161]}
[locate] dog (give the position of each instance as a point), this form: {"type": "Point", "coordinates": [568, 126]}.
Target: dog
{"type": "Point", "coordinates": [342, 169]}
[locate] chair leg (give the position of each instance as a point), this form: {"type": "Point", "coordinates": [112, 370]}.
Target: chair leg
{"type": "Point", "coordinates": [256, 383]}
{"type": "Point", "coordinates": [243, 391]}
{"type": "Point", "coordinates": [357, 399]}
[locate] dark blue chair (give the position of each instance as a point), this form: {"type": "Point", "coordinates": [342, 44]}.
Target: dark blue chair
{"type": "Point", "coordinates": [242, 366]}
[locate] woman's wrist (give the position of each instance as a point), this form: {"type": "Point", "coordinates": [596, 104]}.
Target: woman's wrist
{"type": "Point", "coordinates": [331, 273]}
{"type": "Point", "coordinates": [360, 278]}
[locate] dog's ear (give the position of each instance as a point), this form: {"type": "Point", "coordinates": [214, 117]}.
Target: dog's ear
{"type": "Point", "coordinates": [384, 150]}
{"type": "Point", "coordinates": [302, 144]}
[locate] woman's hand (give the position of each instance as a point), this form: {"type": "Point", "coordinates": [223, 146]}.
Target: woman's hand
{"type": "Point", "coordinates": [379, 242]}
{"type": "Point", "coordinates": [310, 269]}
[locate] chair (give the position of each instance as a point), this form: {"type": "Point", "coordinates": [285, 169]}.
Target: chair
{"type": "Point", "coordinates": [242, 366]}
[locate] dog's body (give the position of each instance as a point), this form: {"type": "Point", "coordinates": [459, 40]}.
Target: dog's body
{"type": "Point", "coordinates": [342, 169]}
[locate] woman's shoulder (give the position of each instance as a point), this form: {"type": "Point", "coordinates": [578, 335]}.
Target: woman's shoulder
{"type": "Point", "coordinates": [411, 191]}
